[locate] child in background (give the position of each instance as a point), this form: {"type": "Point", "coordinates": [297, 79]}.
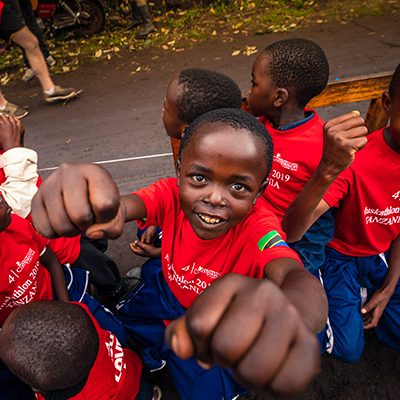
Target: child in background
{"type": "Point", "coordinates": [362, 269]}
{"type": "Point", "coordinates": [191, 93]}
{"type": "Point", "coordinates": [212, 226]}
{"type": "Point", "coordinates": [285, 77]}
{"type": "Point", "coordinates": [60, 350]}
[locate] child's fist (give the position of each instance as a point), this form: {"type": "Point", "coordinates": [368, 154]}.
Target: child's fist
{"type": "Point", "coordinates": [250, 326]}
{"type": "Point", "coordinates": [343, 137]}
{"type": "Point", "coordinates": [11, 132]}
{"type": "Point", "coordinates": [78, 198]}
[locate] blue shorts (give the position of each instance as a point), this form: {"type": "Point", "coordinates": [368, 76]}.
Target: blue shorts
{"type": "Point", "coordinates": [348, 283]}
{"type": "Point", "coordinates": [143, 313]}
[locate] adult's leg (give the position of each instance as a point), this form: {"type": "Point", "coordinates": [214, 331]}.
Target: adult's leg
{"type": "Point", "coordinates": [28, 41]}
{"type": "Point", "coordinates": [342, 287]}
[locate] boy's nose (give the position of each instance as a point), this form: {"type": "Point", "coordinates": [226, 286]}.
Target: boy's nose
{"type": "Point", "coordinates": [216, 198]}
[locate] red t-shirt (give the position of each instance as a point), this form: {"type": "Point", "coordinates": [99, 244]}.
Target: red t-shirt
{"type": "Point", "coordinates": [297, 153]}
{"type": "Point", "coordinates": [368, 196]}
{"type": "Point", "coordinates": [115, 373]}
{"type": "Point", "coordinates": [189, 263]}
{"type": "Point", "coordinates": [23, 277]}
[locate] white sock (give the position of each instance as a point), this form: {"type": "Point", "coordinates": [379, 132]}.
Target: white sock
{"type": "Point", "coordinates": [50, 91]}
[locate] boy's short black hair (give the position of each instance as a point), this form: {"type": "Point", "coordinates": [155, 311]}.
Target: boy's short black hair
{"type": "Point", "coordinates": [394, 82]}
{"type": "Point", "coordinates": [52, 345]}
{"type": "Point", "coordinates": [299, 64]}
{"type": "Point", "coordinates": [205, 90]}
{"type": "Point", "coordinates": [237, 119]}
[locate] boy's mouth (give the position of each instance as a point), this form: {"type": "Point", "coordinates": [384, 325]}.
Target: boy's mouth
{"type": "Point", "coordinates": [211, 220]}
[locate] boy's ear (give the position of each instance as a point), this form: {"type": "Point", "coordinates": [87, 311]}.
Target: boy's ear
{"type": "Point", "coordinates": [263, 186]}
{"type": "Point", "coordinates": [281, 97]}
{"type": "Point", "coordinates": [386, 102]}
{"type": "Point", "coordinates": [178, 168]}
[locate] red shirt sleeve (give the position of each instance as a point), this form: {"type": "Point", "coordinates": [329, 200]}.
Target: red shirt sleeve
{"type": "Point", "coordinates": [339, 188]}
{"type": "Point", "coordinates": [157, 198]}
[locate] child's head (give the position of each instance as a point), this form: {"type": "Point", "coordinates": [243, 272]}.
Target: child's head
{"type": "Point", "coordinates": [290, 71]}
{"type": "Point", "coordinates": [49, 345]}
{"type": "Point", "coordinates": [5, 211]}
{"type": "Point", "coordinates": [391, 104]}
{"type": "Point", "coordinates": [194, 92]}
{"type": "Point", "coordinates": [225, 159]}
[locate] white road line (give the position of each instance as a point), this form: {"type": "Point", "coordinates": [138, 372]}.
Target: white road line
{"type": "Point", "coordinates": [117, 160]}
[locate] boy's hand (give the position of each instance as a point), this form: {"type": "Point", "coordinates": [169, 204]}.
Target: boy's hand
{"type": "Point", "coordinates": [374, 308]}
{"type": "Point", "coordinates": [78, 198]}
{"type": "Point", "coordinates": [343, 137]}
{"type": "Point", "coordinates": [144, 249]}
{"type": "Point", "coordinates": [11, 132]}
{"type": "Point", "coordinates": [249, 325]}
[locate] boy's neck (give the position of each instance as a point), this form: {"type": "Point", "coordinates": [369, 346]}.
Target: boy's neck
{"type": "Point", "coordinates": [389, 140]}
{"type": "Point", "coordinates": [287, 115]}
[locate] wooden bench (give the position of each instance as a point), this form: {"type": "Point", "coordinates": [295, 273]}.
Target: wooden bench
{"type": "Point", "coordinates": [361, 88]}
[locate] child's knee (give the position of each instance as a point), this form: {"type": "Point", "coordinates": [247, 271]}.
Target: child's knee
{"type": "Point", "coordinates": [349, 351]}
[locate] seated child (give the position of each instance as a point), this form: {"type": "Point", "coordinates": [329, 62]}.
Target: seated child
{"type": "Point", "coordinates": [191, 93]}
{"type": "Point", "coordinates": [362, 269]}
{"type": "Point", "coordinates": [285, 77]}
{"type": "Point", "coordinates": [19, 182]}
{"type": "Point", "coordinates": [212, 226]}
{"type": "Point", "coordinates": [60, 350]}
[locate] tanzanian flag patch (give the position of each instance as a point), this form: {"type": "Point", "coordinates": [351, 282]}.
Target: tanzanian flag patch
{"type": "Point", "coordinates": [271, 239]}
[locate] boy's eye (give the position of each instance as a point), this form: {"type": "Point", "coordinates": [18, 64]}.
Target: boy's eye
{"type": "Point", "coordinates": [199, 178]}
{"type": "Point", "coordinates": [238, 187]}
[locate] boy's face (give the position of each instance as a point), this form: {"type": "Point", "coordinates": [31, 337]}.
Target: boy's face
{"type": "Point", "coordinates": [220, 176]}
{"type": "Point", "coordinates": [5, 217]}
{"type": "Point", "coordinates": [262, 92]}
{"type": "Point", "coordinates": [173, 125]}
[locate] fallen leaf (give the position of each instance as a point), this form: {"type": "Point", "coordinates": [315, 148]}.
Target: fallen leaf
{"type": "Point", "coordinates": [98, 53]}
{"type": "Point", "coordinates": [235, 53]}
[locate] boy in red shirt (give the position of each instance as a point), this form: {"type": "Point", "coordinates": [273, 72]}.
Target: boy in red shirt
{"type": "Point", "coordinates": [212, 226]}
{"type": "Point", "coordinates": [191, 93]}
{"type": "Point", "coordinates": [362, 269]}
{"type": "Point", "coordinates": [60, 350]}
{"type": "Point", "coordinates": [285, 77]}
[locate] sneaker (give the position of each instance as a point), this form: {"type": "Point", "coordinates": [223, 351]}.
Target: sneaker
{"type": "Point", "coordinates": [14, 110]}
{"type": "Point", "coordinates": [61, 94]}
{"type": "Point", "coordinates": [28, 75]}
{"type": "Point", "coordinates": [147, 28]}
{"type": "Point", "coordinates": [51, 61]}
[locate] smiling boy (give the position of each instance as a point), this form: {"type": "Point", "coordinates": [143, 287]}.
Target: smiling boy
{"type": "Point", "coordinates": [212, 226]}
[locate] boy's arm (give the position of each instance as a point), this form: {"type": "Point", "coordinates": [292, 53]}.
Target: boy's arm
{"type": "Point", "coordinates": [373, 309]}
{"type": "Point", "coordinates": [50, 261]}
{"type": "Point", "coordinates": [19, 166]}
{"type": "Point", "coordinates": [83, 197]}
{"type": "Point", "coordinates": [251, 326]}
{"type": "Point", "coordinates": [303, 290]}
{"type": "Point", "coordinates": [343, 137]}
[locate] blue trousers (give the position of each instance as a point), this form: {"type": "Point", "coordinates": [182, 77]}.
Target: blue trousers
{"type": "Point", "coordinates": [143, 313]}
{"type": "Point", "coordinates": [348, 282]}
{"type": "Point", "coordinates": [311, 247]}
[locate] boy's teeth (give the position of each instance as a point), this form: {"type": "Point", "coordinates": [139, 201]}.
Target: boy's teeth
{"type": "Point", "coordinates": [209, 220]}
